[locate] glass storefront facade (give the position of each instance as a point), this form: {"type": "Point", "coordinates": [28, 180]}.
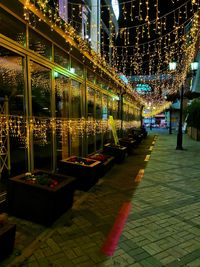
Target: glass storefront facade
{"type": "Point", "coordinates": [53, 112]}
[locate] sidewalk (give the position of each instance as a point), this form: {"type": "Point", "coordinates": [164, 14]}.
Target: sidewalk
{"type": "Point", "coordinates": [163, 224]}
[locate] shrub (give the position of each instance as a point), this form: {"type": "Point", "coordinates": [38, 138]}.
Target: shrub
{"type": "Point", "coordinates": [193, 111]}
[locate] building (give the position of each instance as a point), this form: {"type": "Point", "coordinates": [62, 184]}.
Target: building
{"type": "Point", "coordinates": [56, 92]}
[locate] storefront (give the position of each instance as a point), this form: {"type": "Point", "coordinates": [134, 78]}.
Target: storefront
{"type": "Point", "coordinates": [54, 103]}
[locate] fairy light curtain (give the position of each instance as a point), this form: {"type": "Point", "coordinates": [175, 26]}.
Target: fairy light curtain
{"type": "Point", "coordinates": [149, 37]}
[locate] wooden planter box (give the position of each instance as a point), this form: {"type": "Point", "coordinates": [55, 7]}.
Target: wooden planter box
{"type": "Point", "coordinates": [40, 203]}
{"type": "Point", "coordinates": [129, 143]}
{"type": "Point", "coordinates": [137, 134]}
{"type": "Point", "coordinates": [117, 151]}
{"type": "Point", "coordinates": [84, 169]}
{"type": "Point", "coordinates": [106, 164]}
{"type": "Point", "coordinates": [7, 240]}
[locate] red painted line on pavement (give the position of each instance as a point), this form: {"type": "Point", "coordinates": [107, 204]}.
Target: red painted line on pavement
{"type": "Point", "coordinates": [111, 242]}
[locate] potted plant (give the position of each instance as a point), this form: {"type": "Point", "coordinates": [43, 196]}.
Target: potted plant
{"type": "Point", "coordinates": [40, 196]}
{"type": "Point", "coordinates": [107, 161]}
{"type": "Point", "coordinates": [193, 119]}
{"type": "Point", "coordinates": [128, 142]}
{"type": "Point", "coordinates": [84, 169]}
{"type": "Point", "coordinates": [117, 151]}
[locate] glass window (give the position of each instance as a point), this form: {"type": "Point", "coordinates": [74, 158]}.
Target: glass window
{"type": "Point", "coordinates": [115, 108]}
{"type": "Point", "coordinates": [110, 106]}
{"type": "Point", "coordinates": [90, 109]}
{"type": "Point", "coordinates": [12, 27]}
{"type": "Point", "coordinates": [90, 101]}
{"type": "Point", "coordinates": [41, 109]}
{"type": "Point", "coordinates": [98, 105]}
{"type": "Point", "coordinates": [105, 86]}
{"type": "Point", "coordinates": [125, 112]}
{"type": "Point", "coordinates": [76, 99]}
{"type": "Point", "coordinates": [90, 76]}
{"type": "Point", "coordinates": [39, 44]}
{"type": "Point", "coordinates": [12, 102]}
{"type": "Point", "coordinates": [76, 67]}
{"type": "Point", "coordinates": [61, 57]}
{"type": "Point", "coordinates": [131, 113]}
{"type": "Point", "coordinates": [62, 96]}
{"type": "Point", "coordinates": [62, 112]}
{"type": "Point", "coordinates": [40, 82]}
{"type": "Point", "coordinates": [98, 82]}
{"type": "Point", "coordinates": [104, 107]}
{"type": "Point", "coordinates": [76, 112]}
{"type": "Point", "coordinates": [106, 135]}
{"type": "Point", "coordinates": [12, 80]}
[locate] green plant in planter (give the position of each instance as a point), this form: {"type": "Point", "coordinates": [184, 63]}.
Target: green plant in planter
{"type": "Point", "coordinates": [193, 112]}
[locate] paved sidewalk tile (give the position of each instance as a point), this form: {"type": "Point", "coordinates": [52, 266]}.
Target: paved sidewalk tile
{"type": "Point", "coordinates": [162, 228]}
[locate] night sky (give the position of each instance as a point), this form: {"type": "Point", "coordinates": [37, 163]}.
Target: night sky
{"type": "Point", "coordinates": [172, 12]}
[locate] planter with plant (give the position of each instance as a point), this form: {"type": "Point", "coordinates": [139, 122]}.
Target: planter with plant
{"type": "Point", "coordinates": [40, 196]}
{"type": "Point", "coordinates": [84, 169]}
{"type": "Point", "coordinates": [117, 151]}
{"type": "Point", "coordinates": [107, 162]}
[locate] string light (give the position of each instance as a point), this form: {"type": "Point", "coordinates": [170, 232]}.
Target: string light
{"type": "Point", "coordinates": [170, 44]}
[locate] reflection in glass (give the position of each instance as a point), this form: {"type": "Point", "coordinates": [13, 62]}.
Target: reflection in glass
{"type": "Point", "coordinates": [125, 112]}
{"type": "Point", "coordinates": [76, 99]}
{"type": "Point", "coordinates": [40, 84]}
{"type": "Point", "coordinates": [76, 112]}
{"type": "Point", "coordinates": [105, 86]}
{"type": "Point", "coordinates": [98, 105]}
{"type": "Point", "coordinates": [77, 67]}
{"type": "Point", "coordinates": [90, 76]}
{"type": "Point", "coordinates": [12, 27]}
{"type": "Point", "coordinates": [110, 107]}
{"type": "Point", "coordinates": [62, 112]}
{"type": "Point", "coordinates": [99, 82]}
{"type": "Point", "coordinates": [115, 109]}
{"type": "Point", "coordinates": [104, 107]}
{"type": "Point", "coordinates": [105, 116]}
{"type": "Point", "coordinates": [90, 101]}
{"type": "Point", "coordinates": [12, 80]}
{"type": "Point", "coordinates": [131, 113]}
{"type": "Point", "coordinates": [62, 96]}
{"type": "Point", "coordinates": [39, 44]}
{"type": "Point", "coordinates": [90, 105]}
{"type": "Point", "coordinates": [61, 57]}
{"type": "Point", "coordinates": [98, 102]}
{"type": "Point", "coordinates": [12, 88]}
{"type": "Point", "coordinates": [41, 108]}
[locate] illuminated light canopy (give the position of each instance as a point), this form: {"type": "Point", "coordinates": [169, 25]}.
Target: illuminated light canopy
{"type": "Point", "coordinates": [115, 6]}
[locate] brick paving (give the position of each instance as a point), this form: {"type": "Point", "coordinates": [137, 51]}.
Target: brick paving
{"type": "Point", "coordinates": [163, 226]}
